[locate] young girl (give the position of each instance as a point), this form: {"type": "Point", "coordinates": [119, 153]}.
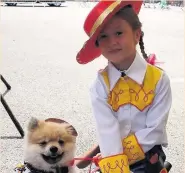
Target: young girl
{"type": "Point", "coordinates": [131, 98]}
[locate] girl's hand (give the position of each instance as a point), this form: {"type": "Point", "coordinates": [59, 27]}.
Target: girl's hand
{"type": "Point", "coordinates": [98, 156]}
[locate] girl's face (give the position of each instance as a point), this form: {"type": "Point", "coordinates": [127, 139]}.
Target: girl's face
{"type": "Point", "coordinates": [118, 41]}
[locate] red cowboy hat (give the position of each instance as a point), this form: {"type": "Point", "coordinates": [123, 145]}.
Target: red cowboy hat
{"type": "Point", "coordinates": [97, 18]}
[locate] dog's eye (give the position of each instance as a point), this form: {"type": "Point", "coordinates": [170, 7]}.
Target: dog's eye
{"type": "Point", "coordinates": [43, 143]}
{"type": "Point", "coordinates": [61, 142]}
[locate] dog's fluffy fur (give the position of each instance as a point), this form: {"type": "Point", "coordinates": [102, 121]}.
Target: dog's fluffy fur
{"type": "Point", "coordinates": [42, 136]}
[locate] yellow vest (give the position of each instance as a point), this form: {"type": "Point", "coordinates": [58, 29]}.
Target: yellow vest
{"type": "Point", "coordinates": [127, 91]}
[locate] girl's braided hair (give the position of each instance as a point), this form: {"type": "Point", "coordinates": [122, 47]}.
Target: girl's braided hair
{"type": "Point", "coordinates": [127, 13]}
{"type": "Point", "coordinates": [141, 44]}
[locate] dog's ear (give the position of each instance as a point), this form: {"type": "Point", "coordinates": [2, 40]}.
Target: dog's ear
{"type": "Point", "coordinates": [71, 130]}
{"type": "Point", "coordinates": [33, 123]}
{"type": "Point", "coordinates": [55, 120]}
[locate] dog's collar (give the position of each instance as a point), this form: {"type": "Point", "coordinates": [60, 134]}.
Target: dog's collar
{"type": "Point", "coordinates": [35, 170]}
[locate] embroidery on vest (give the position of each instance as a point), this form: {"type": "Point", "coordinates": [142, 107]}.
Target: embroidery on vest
{"type": "Point", "coordinates": [118, 167]}
{"type": "Point", "coordinates": [117, 163]}
{"type": "Point", "coordinates": [127, 91]}
{"type": "Point", "coordinates": [133, 149]}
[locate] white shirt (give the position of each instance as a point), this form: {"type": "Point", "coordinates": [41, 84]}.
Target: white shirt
{"type": "Point", "coordinates": [148, 125]}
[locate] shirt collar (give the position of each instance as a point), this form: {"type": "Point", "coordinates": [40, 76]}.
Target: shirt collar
{"type": "Point", "coordinates": [136, 71]}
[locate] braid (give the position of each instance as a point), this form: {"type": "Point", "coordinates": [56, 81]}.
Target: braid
{"type": "Point", "coordinates": [141, 44]}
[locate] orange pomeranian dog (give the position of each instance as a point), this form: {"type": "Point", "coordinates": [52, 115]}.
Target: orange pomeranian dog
{"type": "Point", "coordinates": [49, 147]}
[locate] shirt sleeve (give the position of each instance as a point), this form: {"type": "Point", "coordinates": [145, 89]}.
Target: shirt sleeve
{"type": "Point", "coordinates": [157, 116]}
{"type": "Point", "coordinates": [107, 125]}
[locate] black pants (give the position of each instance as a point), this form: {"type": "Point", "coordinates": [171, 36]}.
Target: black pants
{"type": "Point", "coordinates": [144, 166]}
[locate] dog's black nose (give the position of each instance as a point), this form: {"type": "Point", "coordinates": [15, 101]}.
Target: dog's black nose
{"type": "Point", "coordinates": [53, 149]}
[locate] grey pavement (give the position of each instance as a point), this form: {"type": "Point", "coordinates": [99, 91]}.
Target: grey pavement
{"type": "Point", "coordinates": [38, 48]}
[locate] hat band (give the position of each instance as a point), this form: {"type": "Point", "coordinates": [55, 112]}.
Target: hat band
{"type": "Point", "coordinates": [102, 17]}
